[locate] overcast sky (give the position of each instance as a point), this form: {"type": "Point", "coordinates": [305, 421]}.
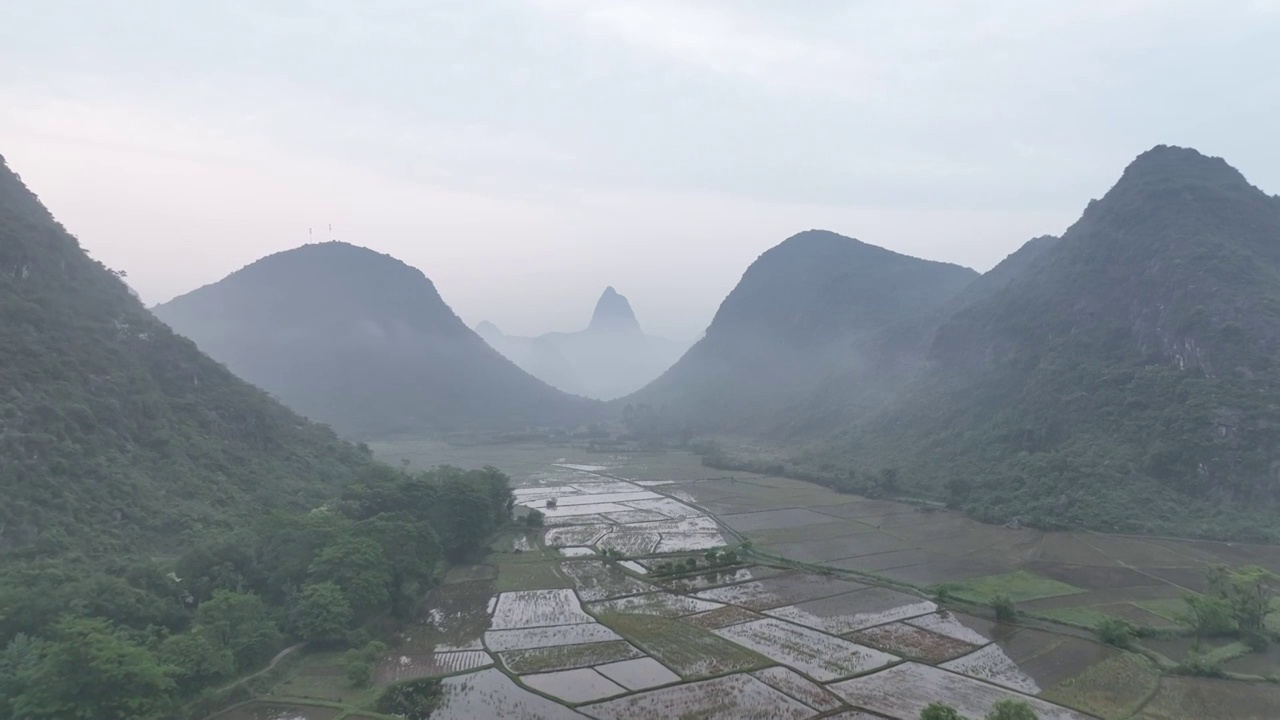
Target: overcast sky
{"type": "Point", "coordinates": [526, 153]}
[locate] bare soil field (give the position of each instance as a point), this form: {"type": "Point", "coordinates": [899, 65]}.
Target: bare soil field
{"type": "Point", "coordinates": [1115, 688]}
{"type": "Point", "coordinates": [912, 642]}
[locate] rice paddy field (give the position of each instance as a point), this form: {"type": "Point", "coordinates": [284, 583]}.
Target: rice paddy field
{"type": "Point", "coordinates": [834, 606]}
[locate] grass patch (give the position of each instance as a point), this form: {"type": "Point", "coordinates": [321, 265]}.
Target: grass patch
{"type": "Point", "coordinates": [1168, 608]}
{"type": "Point", "coordinates": [1084, 616]}
{"type": "Point", "coordinates": [528, 571]}
{"type": "Point", "coordinates": [1230, 651]}
{"type": "Point", "coordinates": [321, 676]}
{"type": "Point", "coordinates": [1020, 586]}
{"type": "Point", "coordinates": [1114, 688]}
{"type": "Point", "coordinates": [691, 652]}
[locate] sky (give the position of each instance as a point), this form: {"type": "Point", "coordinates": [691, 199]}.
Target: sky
{"type": "Point", "coordinates": [524, 154]}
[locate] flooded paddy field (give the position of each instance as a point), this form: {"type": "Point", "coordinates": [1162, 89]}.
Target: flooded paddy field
{"type": "Point", "coordinates": [833, 614]}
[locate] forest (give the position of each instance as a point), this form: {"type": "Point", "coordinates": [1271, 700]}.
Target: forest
{"type": "Point", "coordinates": [144, 637]}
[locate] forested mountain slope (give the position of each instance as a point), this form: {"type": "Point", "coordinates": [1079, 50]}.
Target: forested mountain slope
{"type": "Point", "coordinates": [1125, 379]}
{"type": "Point", "coordinates": [115, 433]}
{"type": "Point", "coordinates": [364, 342]}
{"type": "Point", "coordinates": [820, 328]}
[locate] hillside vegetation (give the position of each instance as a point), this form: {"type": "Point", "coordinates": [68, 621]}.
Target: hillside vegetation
{"type": "Point", "coordinates": [820, 329]}
{"type": "Point", "coordinates": [165, 526]}
{"type": "Point", "coordinates": [116, 434]}
{"type": "Point", "coordinates": [1123, 379]}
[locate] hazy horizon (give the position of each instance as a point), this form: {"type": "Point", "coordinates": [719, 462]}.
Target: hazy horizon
{"type": "Point", "coordinates": [524, 155]}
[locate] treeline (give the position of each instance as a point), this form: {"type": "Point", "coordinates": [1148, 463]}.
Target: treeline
{"type": "Point", "coordinates": [142, 639]}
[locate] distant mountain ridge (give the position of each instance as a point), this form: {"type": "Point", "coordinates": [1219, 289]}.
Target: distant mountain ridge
{"type": "Point", "coordinates": [610, 358]}
{"type": "Point", "coordinates": [365, 343]}
{"type": "Point", "coordinates": [821, 327]}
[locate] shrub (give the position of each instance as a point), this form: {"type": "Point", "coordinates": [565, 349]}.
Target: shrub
{"type": "Point", "coordinates": [938, 711]}
{"type": "Point", "coordinates": [1012, 710]}
{"type": "Point", "coordinates": [361, 663]}
{"type": "Point", "coordinates": [535, 519]}
{"type": "Point", "coordinates": [1006, 609]}
{"type": "Point", "coordinates": [1117, 632]}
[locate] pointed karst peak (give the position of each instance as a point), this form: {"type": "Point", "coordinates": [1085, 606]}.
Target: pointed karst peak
{"type": "Point", "coordinates": [613, 314]}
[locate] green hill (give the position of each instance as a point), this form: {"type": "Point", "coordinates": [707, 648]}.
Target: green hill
{"type": "Point", "coordinates": [363, 342]}
{"type": "Point", "coordinates": [820, 329]}
{"type": "Point", "coordinates": [1124, 379]}
{"type": "Point", "coordinates": [115, 433]}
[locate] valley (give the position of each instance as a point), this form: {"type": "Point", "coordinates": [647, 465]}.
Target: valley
{"type": "Point", "coordinates": [831, 605]}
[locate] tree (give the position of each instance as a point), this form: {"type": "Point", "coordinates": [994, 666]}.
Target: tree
{"type": "Point", "coordinates": [196, 661]}
{"type": "Point", "coordinates": [240, 624]}
{"type": "Point", "coordinates": [464, 519]}
{"type": "Point", "coordinates": [360, 663]}
{"type": "Point", "coordinates": [323, 613]}
{"type": "Point", "coordinates": [534, 519]}
{"type": "Point", "coordinates": [1207, 616]}
{"type": "Point", "coordinates": [414, 554]}
{"type": "Point", "coordinates": [938, 711]}
{"type": "Point", "coordinates": [1117, 632]}
{"type": "Point", "coordinates": [889, 480]}
{"type": "Point", "coordinates": [92, 671]}
{"type": "Point", "coordinates": [1250, 591]}
{"type": "Point", "coordinates": [359, 566]}
{"type": "Point", "coordinates": [1006, 609]}
{"type": "Point", "coordinates": [1012, 710]}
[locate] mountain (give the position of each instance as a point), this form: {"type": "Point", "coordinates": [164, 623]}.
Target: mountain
{"type": "Point", "coordinates": [361, 341]}
{"type": "Point", "coordinates": [610, 358]}
{"type": "Point", "coordinates": [1123, 379]}
{"type": "Point", "coordinates": [116, 435]}
{"type": "Point", "coordinates": [613, 314]}
{"type": "Point", "coordinates": [820, 329]}
{"type": "Point", "coordinates": [1003, 274]}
